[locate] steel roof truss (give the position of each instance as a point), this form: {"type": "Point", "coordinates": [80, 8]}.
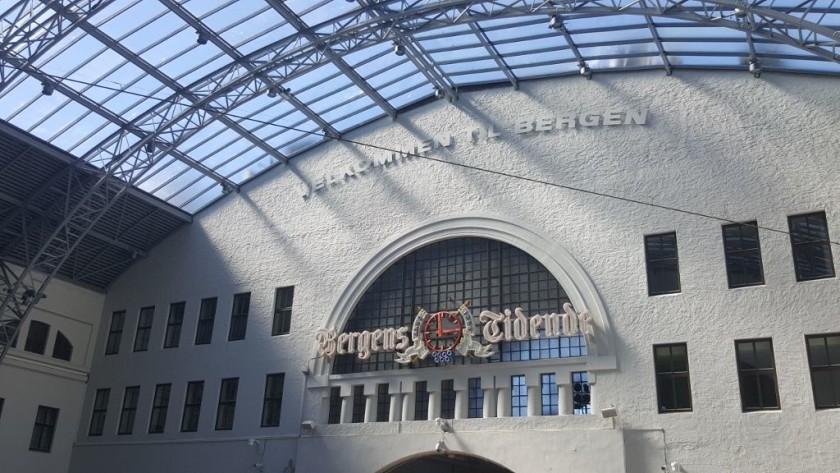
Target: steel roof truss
{"type": "Point", "coordinates": [494, 53]}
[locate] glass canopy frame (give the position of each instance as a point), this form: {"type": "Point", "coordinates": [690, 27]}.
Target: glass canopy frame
{"type": "Point", "coordinates": [190, 99]}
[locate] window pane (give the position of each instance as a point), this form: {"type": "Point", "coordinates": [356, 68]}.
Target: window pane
{"type": "Point", "coordinates": [767, 382]}
{"type": "Point", "coordinates": [36, 339]}
{"type": "Point", "coordinates": [817, 351]}
{"type": "Point", "coordinates": [749, 392]}
{"type": "Point", "coordinates": [763, 354]}
{"type": "Point", "coordinates": [63, 349]}
{"type": "Point", "coordinates": [823, 388]}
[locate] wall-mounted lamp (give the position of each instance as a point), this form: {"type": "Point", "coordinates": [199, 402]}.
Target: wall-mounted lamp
{"type": "Point", "coordinates": [609, 412]}
{"type": "Point", "coordinates": [443, 425]}
{"type": "Point", "coordinates": [307, 426]}
{"type": "Point", "coordinates": [440, 446]}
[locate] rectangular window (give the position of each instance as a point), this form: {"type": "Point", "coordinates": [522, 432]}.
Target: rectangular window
{"type": "Point", "coordinates": [550, 396]}
{"type": "Point", "coordinates": [100, 409]}
{"type": "Point", "coordinates": [160, 406]}
{"type": "Point", "coordinates": [273, 400]}
{"type": "Point", "coordinates": [1, 407]}
{"type": "Point", "coordinates": [144, 328]}
{"type": "Point", "coordinates": [811, 246]}
{"type": "Point", "coordinates": [824, 361]}
{"type": "Point", "coordinates": [421, 401]}
{"type": "Point", "coordinates": [673, 388]}
{"type": "Point", "coordinates": [192, 406]}
{"type": "Point", "coordinates": [743, 254]}
{"type": "Point", "coordinates": [383, 403]}
{"type": "Point", "coordinates": [475, 410]}
{"type": "Point", "coordinates": [518, 396]}
{"type": "Point", "coordinates": [239, 316]}
{"type": "Point", "coordinates": [358, 414]}
{"type": "Point", "coordinates": [335, 406]}
{"type": "Point", "coordinates": [36, 339]}
{"type": "Point", "coordinates": [581, 399]}
{"type": "Point", "coordinates": [283, 299]}
{"type": "Point", "coordinates": [173, 325]}
{"type": "Point", "coordinates": [663, 267]}
{"type": "Point", "coordinates": [42, 433]}
{"type": "Point", "coordinates": [112, 346]}
{"type": "Point", "coordinates": [206, 317]}
{"type": "Point", "coordinates": [757, 374]}
{"type": "Point", "coordinates": [129, 409]}
{"type": "Point", "coordinates": [447, 399]}
{"type": "Point", "coordinates": [227, 404]}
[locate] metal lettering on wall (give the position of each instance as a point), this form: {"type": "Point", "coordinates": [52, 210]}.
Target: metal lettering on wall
{"type": "Point", "coordinates": [447, 333]}
{"type": "Point", "coordinates": [480, 135]}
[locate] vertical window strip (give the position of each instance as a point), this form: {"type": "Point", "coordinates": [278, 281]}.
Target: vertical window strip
{"type": "Point", "coordinates": [673, 385]}
{"type": "Point", "coordinates": [206, 319]}
{"type": "Point", "coordinates": [44, 429]}
{"type": "Point", "coordinates": [334, 416]}
{"type": "Point", "coordinates": [36, 338]}
{"type": "Point", "coordinates": [421, 401]}
{"type": "Point", "coordinates": [581, 396]}
{"type": "Point", "coordinates": [129, 410]}
{"type": "Point", "coordinates": [757, 374]}
{"type": "Point", "coordinates": [112, 346]}
{"type": "Point", "coordinates": [173, 325]}
{"type": "Point", "coordinates": [475, 409]}
{"type": "Point", "coordinates": [663, 268]}
{"type": "Point", "coordinates": [273, 400]}
{"type": "Point", "coordinates": [824, 362]}
{"type": "Point", "coordinates": [100, 410]}
{"type": "Point", "coordinates": [447, 399]}
{"type": "Point", "coordinates": [283, 300]}
{"type": "Point", "coordinates": [358, 404]}
{"type": "Point", "coordinates": [227, 404]}
{"type": "Point", "coordinates": [239, 316]}
{"type": "Point", "coordinates": [518, 396]}
{"type": "Point", "coordinates": [383, 403]}
{"type": "Point", "coordinates": [549, 394]}
{"type": "Point", "coordinates": [160, 406]}
{"type": "Point", "coordinates": [811, 246]}
{"type": "Point", "coordinates": [742, 252]}
{"type": "Point", "coordinates": [144, 328]}
{"type": "Point", "coordinates": [192, 406]}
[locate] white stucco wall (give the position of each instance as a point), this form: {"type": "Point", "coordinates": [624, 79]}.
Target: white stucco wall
{"type": "Point", "coordinates": [29, 380]}
{"type": "Point", "coordinates": [722, 144]}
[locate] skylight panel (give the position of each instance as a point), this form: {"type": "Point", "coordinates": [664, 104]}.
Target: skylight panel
{"type": "Point", "coordinates": [712, 48]}
{"type": "Point", "coordinates": [237, 13]}
{"type": "Point", "coordinates": [467, 66]}
{"type": "Point", "coordinates": [546, 70]}
{"type": "Point", "coordinates": [487, 77]}
{"type": "Point", "coordinates": [618, 50]}
{"type": "Point", "coordinates": [89, 142]}
{"type": "Point", "coordinates": [203, 196]}
{"type": "Point", "coordinates": [25, 93]}
{"type": "Point", "coordinates": [546, 57]}
{"type": "Point", "coordinates": [115, 19]}
{"type": "Point", "coordinates": [186, 58]}
{"type": "Point", "coordinates": [157, 31]}
{"type": "Point", "coordinates": [170, 191]}
{"type": "Point", "coordinates": [214, 130]}
{"type": "Point", "coordinates": [32, 113]}
{"type": "Point", "coordinates": [78, 130]}
{"type": "Point", "coordinates": [631, 33]}
{"type": "Point", "coordinates": [85, 50]}
{"type": "Point", "coordinates": [352, 105]}
{"type": "Point", "coordinates": [281, 131]}
{"type": "Point", "coordinates": [267, 110]}
{"type": "Point", "coordinates": [164, 171]}
{"type": "Point", "coordinates": [249, 38]}
{"type": "Point", "coordinates": [200, 70]}
{"type": "Point", "coordinates": [551, 43]}
{"type": "Point", "coordinates": [724, 62]}
{"type": "Point", "coordinates": [49, 124]}
{"type": "Point", "coordinates": [698, 33]}
{"type": "Point", "coordinates": [363, 56]}
{"type": "Point", "coordinates": [164, 54]}
{"type": "Point", "coordinates": [644, 62]}
{"type": "Point", "coordinates": [807, 64]}
{"type": "Point", "coordinates": [410, 95]}
{"type": "Point", "coordinates": [249, 170]}
{"type": "Point", "coordinates": [378, 64]}
{"type": "Point", "coordinates": [358, 119]}
{"type": "Point", "coordinates": [231, 150]}
{"type": "Point", "coordinates": [388, 76]}
{"type": "Point", "coordinates": [478, 52]}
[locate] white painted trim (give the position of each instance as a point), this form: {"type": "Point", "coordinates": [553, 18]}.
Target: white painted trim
{"type": "Point", "coordinates": [571, 276]}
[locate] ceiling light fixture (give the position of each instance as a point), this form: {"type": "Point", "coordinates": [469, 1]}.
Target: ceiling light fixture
{"type": "Point", "coordinates": [398, 49]}
{"type": "Point", "coordinates": [202, 37]}
{"type": "Point", "coordinates": [555, 22]}
{"type": "Point", "coordinates": [47, 88]}
{"type": "Point", "coordinates": [585, 71]}
{"type": "Point", "coordinates": [755, 68]}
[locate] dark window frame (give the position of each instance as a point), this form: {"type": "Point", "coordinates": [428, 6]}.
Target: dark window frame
{"type": "Point", "coordinates": [273, 400]}
{"type": "Point", "coordinates": [226, 409]}
{"type": "Point", "coordinates": [518, 396]}
{"type": "Point", "coordinates": [283, 301]}
{"type": "Point", "coordinates": [581, 393]}
{"type": "Point", "coordinates": [733, 256]}
{"type": "Point", "coordinates": [797, 247]}
{"type": "Point", "coordinates": [359, 401]}
{"type": "Point", "coordinates": [192, 406]}
{"type": "Point", "coordinates": [36, 337]}
{"type": "Point", "coordinates": [144, 332]}
{"type": "Point", "coordinates": [334, 414]}
{"type": "Point", "coordinates": [831, 366]}
{"type": "Point", "coordinates": [206, 320]}
{"type": "Point", "coordinates": [447, 399]}
{"type": "Point", "coordinates": [99, 413]}
{"type": "Point", "coordinates": [671, 377]}
{"type": "Point", "coordinates": [160, 408]}
{"type": "Point", "coordinates": [549, 395]}
{"type": "Point", "coordinates": [475, 402]}
{"type": "Point", "coordinates": [239, 316]}
{"type": "Point", "coordinates": [62, 348]}
{"type": "Point", "coordinates": [112, 345]}
{"type": "Point", "coordinates": [754, 375]}
{"type": "Point", "coordinates": [421, 400]}
{"type": "Point", "coordinates": [652, 263]}
{"type": "Point", "coordinates": [128, 413]}
{"type": "Point", "coordinates": [174, 324]}
{"type": "Point", "coordinates": [44, 430]}
{"type": "Point", "coordinates": [383, 403]}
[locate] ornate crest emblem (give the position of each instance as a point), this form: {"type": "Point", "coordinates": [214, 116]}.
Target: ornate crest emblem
{"type": "Point", "coordinates": [443, 334]}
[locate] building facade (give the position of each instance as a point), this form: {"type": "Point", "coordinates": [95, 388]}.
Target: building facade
{"type": "Point", "coordinates": [687, 221]}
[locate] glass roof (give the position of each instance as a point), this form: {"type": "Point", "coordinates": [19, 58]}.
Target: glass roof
{"type": "Point", "coordinates": [210, 93]}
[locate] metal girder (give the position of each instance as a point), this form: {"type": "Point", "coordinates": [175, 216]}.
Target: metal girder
{"type": "Point", "coordinates": [153, 71]}
{"type": "Point", "coordinates": [662, 54]}
{"type": "Point", "coordinates": [28, 29]}
{"type": "Point", "coordinates": [494, 53]}
{"type": "Point", "coordinates": [561, 28]}
{"type": "Point", "coordinates": [293, 19]}
{"type": "Point", "coordinates": [251, 67]}
{"type": "Point", "coordinates": [177, 118]}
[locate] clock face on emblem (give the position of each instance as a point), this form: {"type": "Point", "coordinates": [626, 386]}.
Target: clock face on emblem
{"type": "Point", "coordinates": [443, 331]}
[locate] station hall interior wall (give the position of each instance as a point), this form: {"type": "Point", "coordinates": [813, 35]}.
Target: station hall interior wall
{"type": "Point", "coordinates": [723, 144]}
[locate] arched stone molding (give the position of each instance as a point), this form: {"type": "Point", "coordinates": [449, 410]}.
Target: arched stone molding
{"type": "Point", "coordinates": [474, 461]}
{"type": "Point", "coordinates": [569, 273]}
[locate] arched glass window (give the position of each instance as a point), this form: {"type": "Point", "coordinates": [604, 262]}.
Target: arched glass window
{"type": "Point", "coordinates": [63, 349]}
{"type": "Point", "coordinates": [491, 275]}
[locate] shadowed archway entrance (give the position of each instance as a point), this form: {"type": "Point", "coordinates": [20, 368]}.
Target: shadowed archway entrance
{"type": "Point", "coordinates": [450, 462]}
